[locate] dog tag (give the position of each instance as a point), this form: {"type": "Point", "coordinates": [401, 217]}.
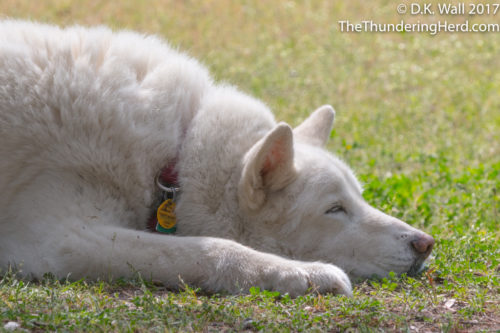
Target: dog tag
{"type": "Point", "coordinates": [166, 217]}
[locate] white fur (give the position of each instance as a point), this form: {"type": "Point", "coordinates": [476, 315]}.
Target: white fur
{"type": "Point", "coordinates": [89, 116]}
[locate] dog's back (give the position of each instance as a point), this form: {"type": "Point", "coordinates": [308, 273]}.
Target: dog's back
{"type": "Point", "coordinates": [87, 101]}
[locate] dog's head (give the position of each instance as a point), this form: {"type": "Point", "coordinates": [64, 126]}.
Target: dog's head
{"type": "Point", "coordinates": [309, 204]}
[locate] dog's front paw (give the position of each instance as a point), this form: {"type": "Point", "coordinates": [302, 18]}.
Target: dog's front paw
{"type": "Point", "coordinates": [325, 278]}
{"type": "Point", "coordinates": [315, 277]}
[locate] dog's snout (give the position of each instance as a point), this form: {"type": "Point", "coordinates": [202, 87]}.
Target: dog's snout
{"type": "Point", "coordinates": [423, 244]}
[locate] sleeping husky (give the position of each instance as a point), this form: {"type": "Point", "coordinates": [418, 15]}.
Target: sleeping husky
{"type": "Point", "coordinates": [119, 155]}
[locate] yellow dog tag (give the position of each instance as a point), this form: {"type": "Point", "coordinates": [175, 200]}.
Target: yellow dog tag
{"type": "Point", "coordinates": [166, 217]}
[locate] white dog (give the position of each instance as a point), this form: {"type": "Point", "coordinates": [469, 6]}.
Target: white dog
{"type": "Point", "coordinates": [89, 117]}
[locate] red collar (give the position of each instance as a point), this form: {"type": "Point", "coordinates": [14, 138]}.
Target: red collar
{"type": "Point", "coordinates": [168, 175]}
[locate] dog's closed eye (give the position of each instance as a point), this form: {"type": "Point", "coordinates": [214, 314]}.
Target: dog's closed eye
{"type": "Point", "coordinates": [336, 208]}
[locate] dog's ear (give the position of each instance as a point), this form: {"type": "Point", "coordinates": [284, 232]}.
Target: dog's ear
{"type": "Point", "coordinates": [268, 166]}
{"type": "Point", "coordinates": [316, 129]}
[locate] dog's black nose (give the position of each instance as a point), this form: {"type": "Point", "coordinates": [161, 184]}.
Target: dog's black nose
{"type": "Point", "coordinates": [423, 244]}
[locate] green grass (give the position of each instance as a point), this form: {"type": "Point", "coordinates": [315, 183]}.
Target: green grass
{"type": "Point", "coordinates": [418, 118]}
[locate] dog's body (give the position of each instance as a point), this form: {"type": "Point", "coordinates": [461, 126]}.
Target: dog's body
{"type": "Point", "coordinates": [89, 117]}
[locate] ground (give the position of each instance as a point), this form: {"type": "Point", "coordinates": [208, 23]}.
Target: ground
{"type": "Point", "coordinates": [418, 118]}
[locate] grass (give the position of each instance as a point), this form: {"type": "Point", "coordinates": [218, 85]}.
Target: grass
{"type": "Point", "coordinates": [418, 118]}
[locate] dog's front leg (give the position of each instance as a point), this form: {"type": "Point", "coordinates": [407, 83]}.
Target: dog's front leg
{"type": "Point", "coordinates": [211, 263]}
